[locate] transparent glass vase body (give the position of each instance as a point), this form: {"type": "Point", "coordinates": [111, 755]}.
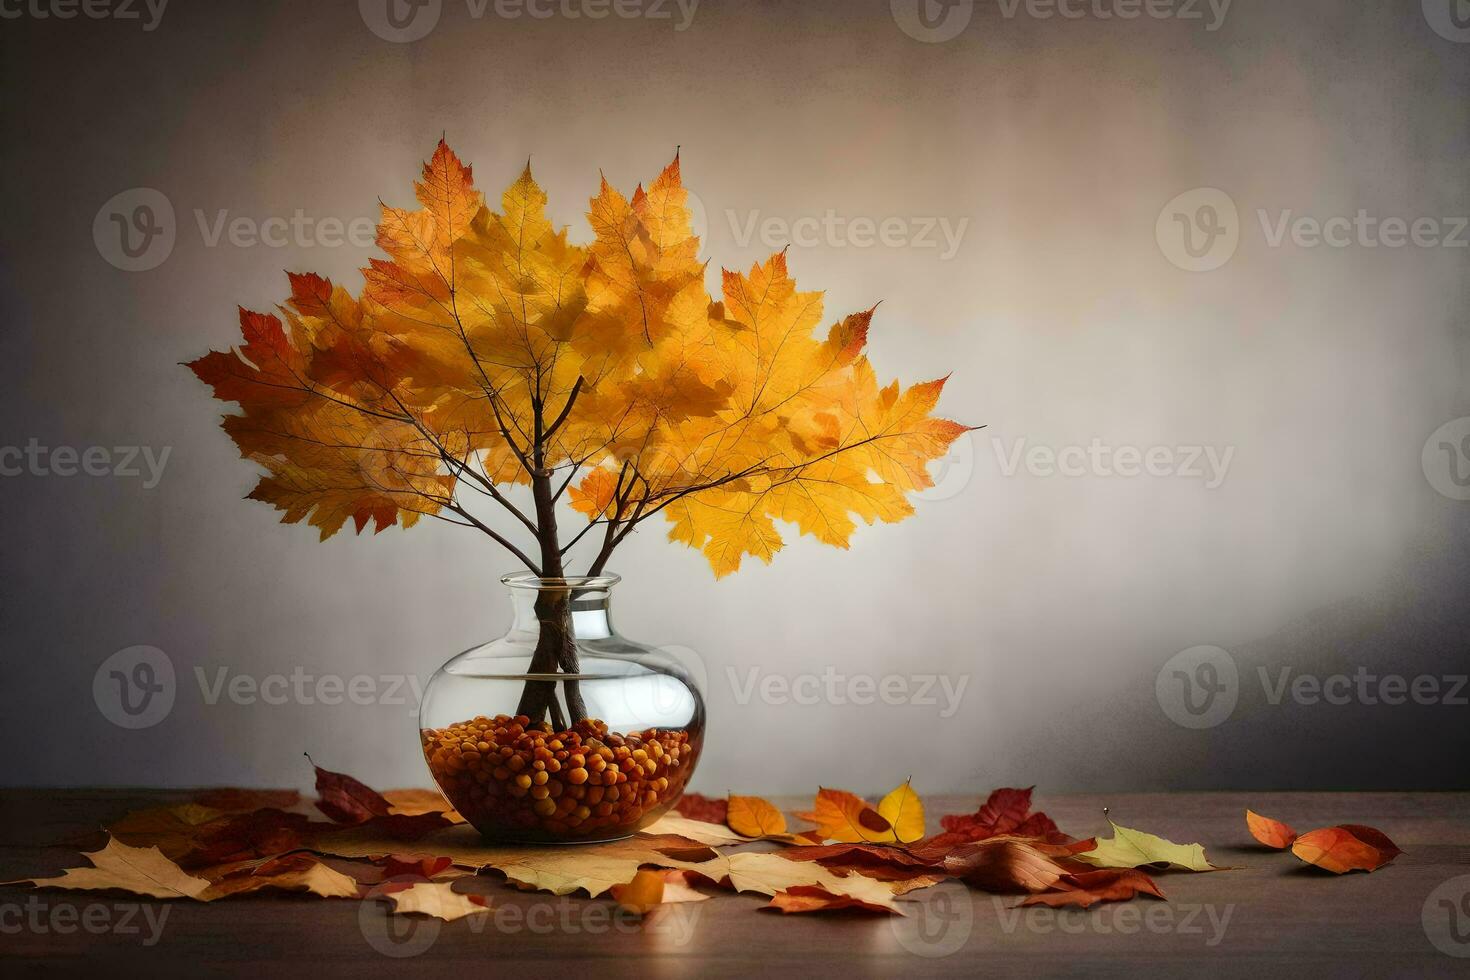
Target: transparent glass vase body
{"type": "Point", "coordinates": [561, 730]}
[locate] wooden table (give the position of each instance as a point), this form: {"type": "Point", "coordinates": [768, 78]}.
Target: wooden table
{"type": "Point", "coordinates": [1271, 917]}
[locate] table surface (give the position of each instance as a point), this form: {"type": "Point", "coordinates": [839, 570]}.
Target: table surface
{"type": "Point", "coordinates": [1270, 916]}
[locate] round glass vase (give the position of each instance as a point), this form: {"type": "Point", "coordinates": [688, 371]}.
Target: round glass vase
{"type": "Point", "coordinates": [561, 730]}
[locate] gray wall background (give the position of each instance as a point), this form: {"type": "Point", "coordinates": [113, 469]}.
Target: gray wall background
{"type": "Point", "coordinates": [1326, 548]}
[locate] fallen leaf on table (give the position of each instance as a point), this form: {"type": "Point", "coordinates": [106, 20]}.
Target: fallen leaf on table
{"type": "Point", "coordinates": [641, 895]}
{"type": "Point", "coordinates": [1272, 833]}
{"type": "Point", "coordinates": [1136, 849]}
{"type": "Point", "coordinates": [815, 898]}
{"type": "Point", "coordinates": [698, 807]}
{"type": "Point", "coordinates": [244, 836]}
{"type": "Point", "coordinates": [174, 830]}
{"type": "Point", "coordinates": [1007, 811]}
{"type": "Point", "coordinates": [677, 888]}
{"type": "Point", "coordinates": [717, 835]}
{"type": "Point", "coordinates": [345, 800]}
{"type": "Point", "coordinates": [557, 869]}
{"type": "Point", "coordinates": [904, 811]}
{"type": "Point", "coordinates": [768, 874]}
{"type": "Point", "coordinates": [232, 799]}
{"type": "Point", "coordinates": [1086, 888]}
{"type": "Point", "coordinates": [297, 872]}
{"type": "Point", "coordinates": [396, 865]}
{"type": "Point", "coordinates": [438, 899]}
{"type": "Point", "coordinates": [413, 802]}
{"type": "Point", "coordinates": [843, 816]}
{"type": "Point", "coordinates": [754, 817]}
{"type": "Point", "coordinates": [1348, 847]}
{"type": "Point", "coordinates": [140, 870]}
{"type": "Point", "coordinates": [1005, 866]}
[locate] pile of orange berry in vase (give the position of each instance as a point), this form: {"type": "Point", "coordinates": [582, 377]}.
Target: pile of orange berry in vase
{"type": "Point", "coordinates": [514, 780]}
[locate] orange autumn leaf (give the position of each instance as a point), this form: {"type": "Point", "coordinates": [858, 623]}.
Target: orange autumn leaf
{"type": "Point", "coordinates": [1348, 847]}
{"type": "Point", "coordinates": [641, 895]}
{"type": "Point", "coordinates": [752, 816]}
{"type": "Point", "coordinates": [1272, 833]}
{"type": "Point", "coordinates": [843, 816]}
{"type": "Point", "coordinates": [1006, 866]}
{"type": "Point", "coordinates": [1086, 888]}
{"type": "Point", "coordinates": [487, 350]}
{"type": "Point", "coordinates": [815, 898]}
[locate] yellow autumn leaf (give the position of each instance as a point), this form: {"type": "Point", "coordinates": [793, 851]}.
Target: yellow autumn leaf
{"type": "Point", "coordinates": [905, 811]}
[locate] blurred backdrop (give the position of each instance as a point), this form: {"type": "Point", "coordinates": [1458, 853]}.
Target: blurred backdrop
{"type": "Point", "coordinates": [1199, 268]}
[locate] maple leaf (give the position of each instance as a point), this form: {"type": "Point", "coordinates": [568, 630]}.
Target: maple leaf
{"type": "Point", "coordinates": [140, 870]}
{"type": "Point", "coordinates": [438, 900]}
{"type": "Point", "coordinates": [770, 874]}
{"type": "Point", "coordinates": [1135, 849]}
{"type": "Point", "coordinates": [1348, 847]}
{"type": "Point", "coordinates": [297, 872]}
{"type": "Point", "coordinates": [1272, 833]}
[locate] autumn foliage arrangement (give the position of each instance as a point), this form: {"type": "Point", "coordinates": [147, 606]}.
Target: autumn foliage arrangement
{"type": "Point", "coordinates": [488, 355]}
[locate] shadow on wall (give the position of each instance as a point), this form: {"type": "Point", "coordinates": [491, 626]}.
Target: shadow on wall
{"type": "Point", "coordinates": [1370, 693]}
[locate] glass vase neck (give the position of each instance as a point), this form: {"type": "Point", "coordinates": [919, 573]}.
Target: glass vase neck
{"type": "Point", "coordinates": [584, 600]}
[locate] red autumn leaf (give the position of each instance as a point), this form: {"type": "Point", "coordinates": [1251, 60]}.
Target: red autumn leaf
{"type": "Point", "coordinates": [261, 833]}
{"type": "Point", "coordinates": [697, 807]}
{"type": "Point", "coordinates": [815, 898]}
{"type": "Point", "coordinates": [1272, 833]}
{"type": "Point", "coordinates": [400, 865]}
{"type": "Point", "coordinates": [1006, 811]}
{"type": "Point", "coordinates": [851, 852]}
{"type": "Point", "coordinates": [1348, 847]}
{"type": "Point", "coordinates": [1086, 888]}
{"type": "Point", "coordinates": [345, 800]}
{"type": "Point", "coordinates": [403, 827]}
